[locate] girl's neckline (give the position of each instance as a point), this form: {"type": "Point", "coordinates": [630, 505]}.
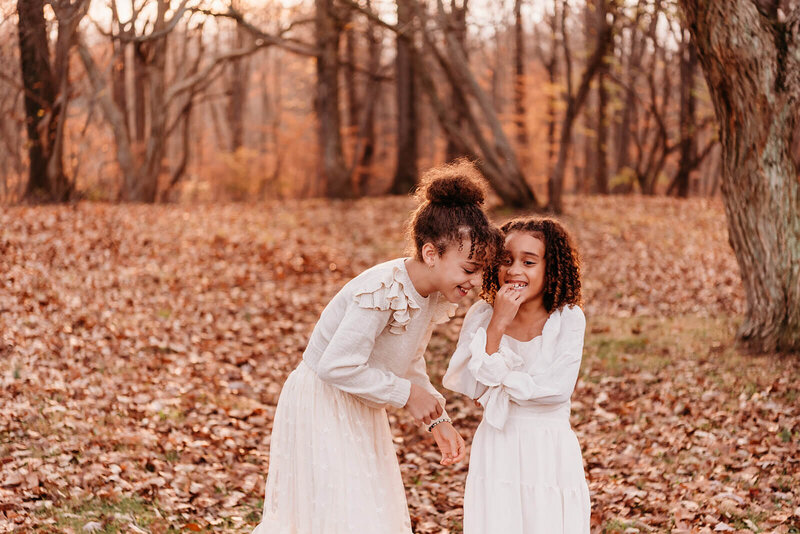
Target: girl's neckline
{"type": "Point", "coordinates": [531, 340]}
{"type": "Point", "coordinates": [410, 285]}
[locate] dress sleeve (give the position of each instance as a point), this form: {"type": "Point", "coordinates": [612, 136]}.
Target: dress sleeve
{"type": "Point", "coordinates": [344, 362]}
{"type": "Point", "coordinates": [553, 385]}
{"type": "Point", "coordinates": [458, 377]}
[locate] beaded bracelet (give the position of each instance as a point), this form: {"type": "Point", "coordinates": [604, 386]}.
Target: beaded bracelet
{"type": "Point", "coordinates": [442, 419]}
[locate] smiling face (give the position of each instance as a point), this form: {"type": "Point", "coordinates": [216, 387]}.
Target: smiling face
{"type": "Point", "coordinates": [454, 272]}
{"type": "Point", "coordinates": [523, 264]}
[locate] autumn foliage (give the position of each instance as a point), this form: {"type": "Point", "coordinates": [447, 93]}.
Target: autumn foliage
{"type": "Point", "coordinates": [143, 349]}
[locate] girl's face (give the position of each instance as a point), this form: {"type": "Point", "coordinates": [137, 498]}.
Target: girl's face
{"type": "Point", "coordinates": [523, 264]}
{"type": "Point", "coordinates": [454, 273]}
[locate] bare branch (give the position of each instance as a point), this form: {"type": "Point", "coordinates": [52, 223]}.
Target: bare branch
{"type": "Point", "coordinates": [188, 83]}
{"type": "Point", "coordinates": [292, 45]}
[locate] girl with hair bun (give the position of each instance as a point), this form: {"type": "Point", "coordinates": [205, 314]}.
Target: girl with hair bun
{"type": "Point", "coordinates": [518, 354]}
{"type": "Point", "coordinates": [333, 467]}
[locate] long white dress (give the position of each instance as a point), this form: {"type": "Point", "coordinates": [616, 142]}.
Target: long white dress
{"type": "Point", "coordinates": [333, 467]}
{"type": "Point", "coordinates": [525, 470]}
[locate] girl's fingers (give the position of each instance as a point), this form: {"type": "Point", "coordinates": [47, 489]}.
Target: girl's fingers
{"type": "Point", "coordinates": [454, 450]}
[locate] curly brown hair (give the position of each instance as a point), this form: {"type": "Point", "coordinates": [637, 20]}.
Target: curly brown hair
{"type": "Point", "coordinates": [450, 210]}
{"type": "Point", "coordinates": [562, 275]}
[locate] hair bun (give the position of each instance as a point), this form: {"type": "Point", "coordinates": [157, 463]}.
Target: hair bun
{"type": "Point", "coordinates": [458, 184]}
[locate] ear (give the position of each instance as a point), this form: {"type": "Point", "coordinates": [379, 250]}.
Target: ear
{"type": "Point", "coordinates": [429, 254]}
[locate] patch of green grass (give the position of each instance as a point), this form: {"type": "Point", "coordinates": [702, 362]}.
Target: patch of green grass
{"type": "Point", "coordinates": [616, 526]}
{"type": "Point", "coordinates": [172, 414]}
{"type": "Point", "coordinates": [753, 518]}
{"type": "Point", "coordinates": [113, 515]}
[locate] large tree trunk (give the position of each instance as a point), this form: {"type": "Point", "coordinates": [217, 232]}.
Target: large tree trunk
{"type": "Point", "coordinates": [46, 94]}
{"type": "Point", "coordinates": [751, 61]}
{"type": "Point", "coordinates": [333, 170]}
{"type": "Point", "coordinates": [405, 177]}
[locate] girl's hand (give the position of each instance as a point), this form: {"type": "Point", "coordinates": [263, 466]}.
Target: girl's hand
{"type": "Point", "coordinates": [422, 405]}
{"type": "Point", "coordinates": [450, 443]}
{"type": "Point", "coordinates": [506, 304]}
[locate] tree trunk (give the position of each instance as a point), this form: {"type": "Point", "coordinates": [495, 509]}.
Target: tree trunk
{"type": "Point", "coordinates": [237, 93]}
{"type": "Point", "coordinates": [367, 125]}
{"type": "Point", "coordinates": [688, 118]}
{"type": "Point", "coordinates": [405, 177]}
{"type": "Point", "coordinates": [751, 61]}
{"type": "Point", "coordinates": [333, 171]}
{"type": "Point", "coordinates": [520, 88]}
{"type": "Point", "coordinates": [45, 101]}
{"type": "Point", "coordinates": [458, 16]}
{"type": "Point", "coordinates": [601, 141]}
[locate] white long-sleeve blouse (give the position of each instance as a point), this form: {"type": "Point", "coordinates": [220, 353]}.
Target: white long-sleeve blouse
{"type": "Point", "coordinates": [370, 339]}
{"type": "Point", "coordinates": [538, 375]}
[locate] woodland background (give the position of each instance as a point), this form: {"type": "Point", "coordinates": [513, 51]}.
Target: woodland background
{"type": "Point", "coordinates": [185, 184]}
{"type": "Point", "coordinates": [155, 100]}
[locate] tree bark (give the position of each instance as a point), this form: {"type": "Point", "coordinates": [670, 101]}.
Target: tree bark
{"type": "Point", "coordinates": [237, 93]}
{"type": "Point", "coordinates": [520, 87]}
{"type": "Point", "coordinates": [46, 96]}
{"type": "Point", "coordinates": [333, 170]}
{"type": "Point", "coordinates": [405, 177]}
{"type": "Point", "coordinates": [601, 170]}
{"type": "Point", "coordinates": [751, 61]}
{"type": "Point", "coordinates": [366, 130]}
{"type": "Point", "coordinates": [458, 17]}
{"type": "Point", "coordinates": [688, 118]}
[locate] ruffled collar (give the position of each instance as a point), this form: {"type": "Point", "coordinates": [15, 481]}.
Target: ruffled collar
{"type": "Point", "coordinates": [443, 310]}
{"type": "Point", "coordinates": [399, 295]}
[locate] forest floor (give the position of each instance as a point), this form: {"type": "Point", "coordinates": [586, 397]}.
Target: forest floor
{"type": "Point", "coordinates": [143, 348]}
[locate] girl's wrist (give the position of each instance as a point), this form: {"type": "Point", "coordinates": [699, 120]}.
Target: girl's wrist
{"type": "Point", "coordinates": [496, 328]}
{"type": "Point", "coordinates": [443, 420]}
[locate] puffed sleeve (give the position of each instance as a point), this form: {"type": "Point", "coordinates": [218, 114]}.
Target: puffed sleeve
{"type": "Point", "coordinates": [344, 362]}
{"type": "Point", "coordinates": [553, 385]}
{"type": "Point", "coordinates": [458, 377]}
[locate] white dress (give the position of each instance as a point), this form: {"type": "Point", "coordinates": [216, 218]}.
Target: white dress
{"type": "Point", "coordinates": [333, 467]}
{"type": "Point", "coordinates": [525, 470]}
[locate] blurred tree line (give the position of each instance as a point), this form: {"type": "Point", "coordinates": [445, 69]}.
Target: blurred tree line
{"type": "Point", "coordinates": [149, 100]}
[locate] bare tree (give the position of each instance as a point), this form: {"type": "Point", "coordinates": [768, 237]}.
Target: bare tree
{"type": "Point", "coordinates": [458, 28]}
{"type": "Point", "coordinates": [47, 95]}
{"type": "Point", "coordinates": [601, 139]}
{"type": "Point", "coordinates": [750, 54]}
{"type": "Point", "coordinates": [405, 177]}
{"type": "Point", "coordinates": [575, 101]}
{"type": "Point", "coordinates": [237, 90]}
{"type": "Point", "coordinates": [140, 149]}
{"type": "Point", "coordinates": [328, 28]}
{"type": "Point", "coordinates": [520, 85]}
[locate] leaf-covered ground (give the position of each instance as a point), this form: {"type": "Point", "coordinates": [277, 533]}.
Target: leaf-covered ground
{"type": "Point", "coordinates": [143, 348]}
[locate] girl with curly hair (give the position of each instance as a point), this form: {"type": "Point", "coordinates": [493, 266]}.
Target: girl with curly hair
{"type": "Point", "coordinates": [333, 466]}
{"type": "Point", "coordinates": [518, 354]}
